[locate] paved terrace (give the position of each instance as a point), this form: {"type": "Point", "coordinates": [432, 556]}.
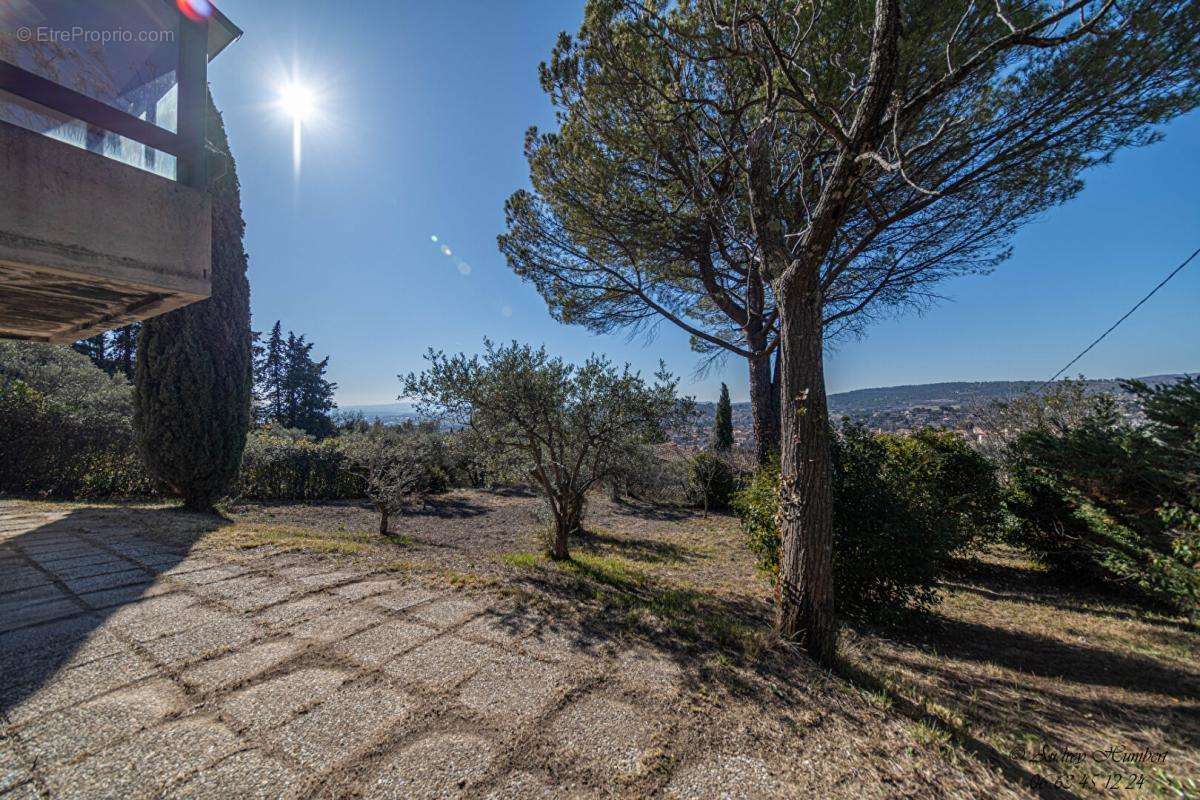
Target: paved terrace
{"type": "Point", "coordinates": [130, 669]}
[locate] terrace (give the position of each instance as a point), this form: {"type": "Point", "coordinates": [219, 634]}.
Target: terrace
{"type": "Point", "coordinates": [106, 218]}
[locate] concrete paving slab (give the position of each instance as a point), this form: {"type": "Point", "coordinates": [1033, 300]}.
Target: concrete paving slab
{"type": "Point", "coordinates": [249, 774]}
{"type": "Point", "coordinates": [439, 766]}
{"type": "Point", "coordinates": [440, 664]}
{"type": "Point", "coordinates": [240, 665]}
{"type": "Point", "coordinates": [349, 721]}
{"type": "Point", "coordinates": [271, 703]}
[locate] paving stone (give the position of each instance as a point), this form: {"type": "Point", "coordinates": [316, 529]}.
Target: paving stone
{"type": "Point", "coordinates": [41, 657]}
{"type": "Point", "coordinates": [446, 613]}
{"type": "Point", "coordinates": [72, 686]}
{"type": "Point", "coordinates": [88, 727]}
{"type": "Point", "coordinates": [110, 580]}
{"type": "Point", "coordinates": [495, 628]}
{"type": "Point", "coordinates": [377, 645]}
{"type": "Point", "coordinates": [248, 774]}
{"type": "Point", "coordinates": [337, 624]}
{"type": "Point", "coordinates": [26, 791]}
{"type": "Point", "coordinates": [645, 672]}
{"type": "Point", "coordinates": [606, 735]}
{"type": "Point", "coordinates": [290, 613]}
{"type": "Point", "coordinates": [143, 765]}
{"type": "Point", "coordinates": [357, 591]}
{"type": "Point", "coordinates": [14, 601]}
{"type": "Point", "coordinates": [732, 777]}
{"type": "Point", "coordinates": [240, 665]}
{"type": "Point", "coordinates": [66, 558]}
{"type": "Point", "coordinates": [23, 578]}
{"type": "Point", "coordinates": [514, 688]}
{"type": "Point", "coordinates": [527, 786]}
{"type": "Point", "coordinates": [13, 769]}
{"type": "Point", "coordinates": [271, 703]}
{"type": "Point", "coordinates": [327, 579]}
{"type": "Point", "coordinates": [250, 594]}
{"type": "Point", "coordinates": [124, 595]}
{"type": "Point", "coordinates": [191, 565]}
{"type": "Point", "coordinates": [440, 664]}
{"type": "Point", "coordinates": [75, 575]}
{"type": "Point", "coordinates": [203, 577]}
{"type": "Point", "coordinates": [21, 617]}
{"type": "Point", "coordinates": [561, 644]}
{"type": "Point", "coordinates": [350, 720]}
{"type": "Point", "coordinates": [157, 616]}
{"type": "Point", "coordinates": [438, 766]}
{"type": "Point", "coordinates": [404, 598]}
{"type": "Point", "coordinates": [215, 633]}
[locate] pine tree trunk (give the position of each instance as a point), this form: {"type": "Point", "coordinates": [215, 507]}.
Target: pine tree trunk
{"type": "Point", "coordinates": [764, 410]}
{"type": "Point", "coordinates": [804, 610]}
{"type": "Point", "coordinates": [384, 514]}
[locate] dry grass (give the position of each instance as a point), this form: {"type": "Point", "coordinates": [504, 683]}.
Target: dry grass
{"type": "Point", "coordinates": [1060, 683]}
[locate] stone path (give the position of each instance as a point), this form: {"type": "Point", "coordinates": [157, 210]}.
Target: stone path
{"type": "Point", "coordinates": [130, 669]}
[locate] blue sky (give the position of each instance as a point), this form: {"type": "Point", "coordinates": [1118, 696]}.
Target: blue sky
{"type": "Point", "coordinates": [423, 109]}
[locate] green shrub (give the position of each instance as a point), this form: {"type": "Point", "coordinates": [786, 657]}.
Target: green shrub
{"type": "Point", "coordinates": [711, 481]}
{"type": "Point", "coordinates": [48, 452]}
{"type": "Point", "coordinates": [757, 506]}
{"type": "Point", "coordinates": [282, 464]}
{"type": "Point", "coordinates": [1106, 501]}
{"type": "Point", "coordinates": [902, 505]}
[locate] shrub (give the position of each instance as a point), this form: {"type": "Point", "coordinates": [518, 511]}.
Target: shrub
{"type": "Point", "coordinates": [711, 481]}
{"type": "Point", "coordinates": [656, 474]}
{"type": "Point", "coordinates": [283, 464]}
{"type": "Point", "coordinates": [1104, 500]}
{"type": "Point", "coordinates": [902, 506]}
{"type": "Point", "coordinates": [64, 426]}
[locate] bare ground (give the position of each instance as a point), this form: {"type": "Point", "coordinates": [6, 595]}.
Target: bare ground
{"type": "Point", "coordinates": [458, 662]}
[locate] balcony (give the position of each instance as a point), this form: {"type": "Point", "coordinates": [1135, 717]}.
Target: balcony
{"type": "Point", "coordinates": [105, 217]}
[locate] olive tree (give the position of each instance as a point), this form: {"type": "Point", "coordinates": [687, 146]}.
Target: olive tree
{"type": "Point", "coordinates": [573, 425]}
{"type": "Point", "coordinates": [396, 465]}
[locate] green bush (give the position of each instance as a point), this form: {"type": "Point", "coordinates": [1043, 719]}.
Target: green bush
{"type": "Point", "coordinates": [49, 452]}
{"type": "Point", "coordinates": [1106, 501]}
{"type": "Point", "coordinates": [902, 505]}
{"type": "Point", "coordinates": [711, 481]}
{"type": "Point", "coordinates": [282, 464]}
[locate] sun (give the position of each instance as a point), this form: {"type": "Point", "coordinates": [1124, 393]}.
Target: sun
{"type": "Point", "coordinates": [296, 100]}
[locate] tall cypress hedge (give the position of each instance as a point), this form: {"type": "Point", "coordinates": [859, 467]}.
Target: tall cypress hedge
{"type": "Point", "coordinates": [193, 378]}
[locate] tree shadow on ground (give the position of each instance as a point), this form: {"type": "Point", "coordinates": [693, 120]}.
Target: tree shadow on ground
{"type": "Point", "coordinates": [631, 507]}
{"type": "Point", "coordinates": [1015, 681]}
{"type": "Point", "coordinates": [445, 507]}
{"type": "Point", "coordinates": [599, 542]}
{"type": "Point", "coordinates": [61, 580]}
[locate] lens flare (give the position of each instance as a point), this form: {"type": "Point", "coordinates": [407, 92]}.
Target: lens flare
{"type": "Point", "coordinates": [195, 10]}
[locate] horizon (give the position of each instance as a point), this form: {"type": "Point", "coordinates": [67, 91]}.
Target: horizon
{"type": "Point", "coordinates": [383, 245]}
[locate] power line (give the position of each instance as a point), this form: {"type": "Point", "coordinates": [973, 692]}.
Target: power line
{"type": "Point", "coordinates": [1126, 316]}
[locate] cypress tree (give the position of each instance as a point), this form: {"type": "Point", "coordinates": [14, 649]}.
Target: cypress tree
{"type": "Point", "coordinates": [722, 435]}
{"type": "Point", "coordinates": [193, 376]}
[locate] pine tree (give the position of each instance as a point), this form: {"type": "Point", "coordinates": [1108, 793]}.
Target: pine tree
{"type": "Point", "coordinates": [123, 348]}
{"type": "Point", "coordinates": [272, 368]}
{"type": "Point", "coordinates": [722, 435]}
{"type": "Point", "coordinates": [193, 375]}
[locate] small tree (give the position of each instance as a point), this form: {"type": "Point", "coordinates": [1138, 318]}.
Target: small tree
{"type": "Point", "coordinates": [396, 465]}
{"type": "Point", "coordinates": [575, 425]}
{"type": "Point", "coordinates": [722, 436]}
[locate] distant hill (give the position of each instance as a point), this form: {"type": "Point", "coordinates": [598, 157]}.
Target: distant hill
{"type": "Point", "coordinates": [950, 405]}
{"type": "Point", "coordinates": [886, 408]}
{"type": "Point", "coordinates": [387, 413]}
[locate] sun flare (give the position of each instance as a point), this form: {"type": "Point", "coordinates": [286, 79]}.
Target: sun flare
{"type": "Point", "coordinates": [297, 101]}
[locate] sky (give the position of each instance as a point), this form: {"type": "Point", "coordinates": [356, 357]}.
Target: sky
{"type": "Point", "coordinates": [421, 113]}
